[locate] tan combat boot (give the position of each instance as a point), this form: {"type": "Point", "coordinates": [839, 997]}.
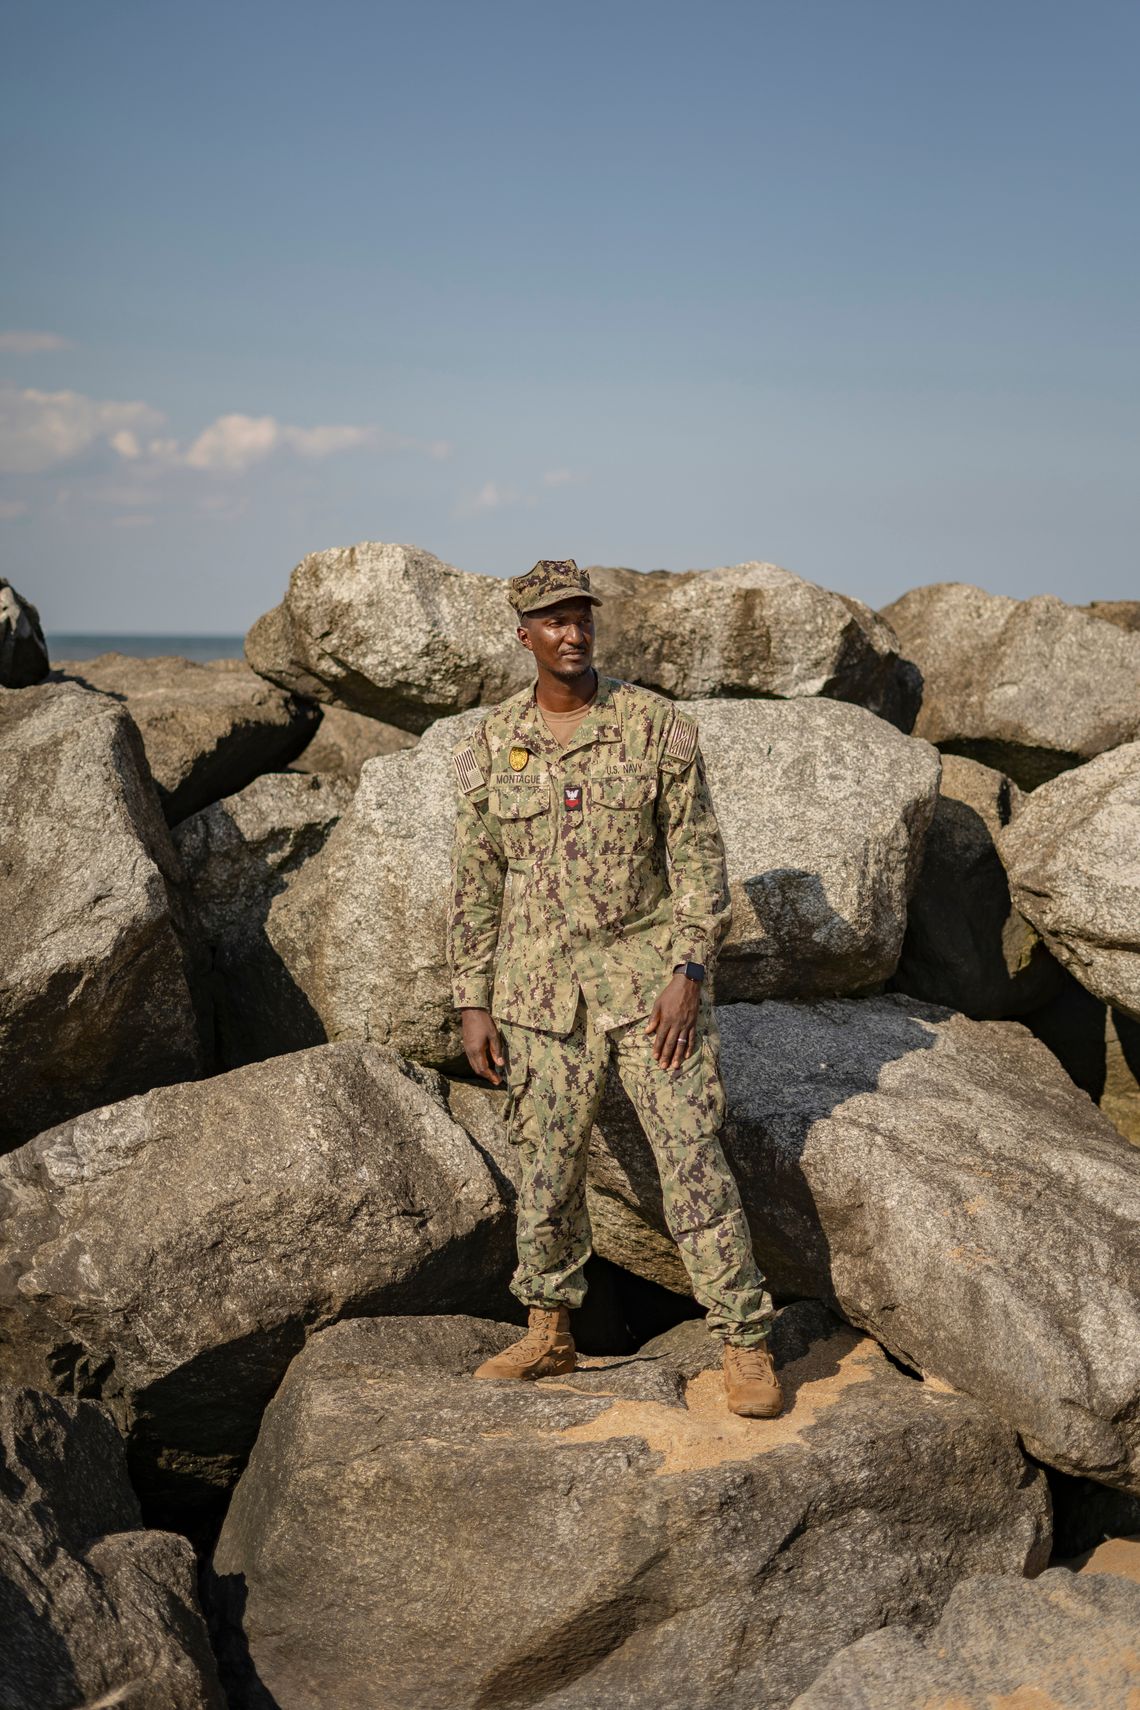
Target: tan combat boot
{"type": "Point", "coordinates": [547, 1349]}
{"type": "Point", "coordinates": [751, 1386]}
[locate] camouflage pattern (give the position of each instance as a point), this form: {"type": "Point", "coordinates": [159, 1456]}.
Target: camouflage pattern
{"type": "Point", "coordinates": [580, 877]}
{"type": "Point", "coordinates": [551, 580]}
{"type": "Point", "coordinates": [554, 1086]}
{"type": "Point", "coordinates": [547, 902]}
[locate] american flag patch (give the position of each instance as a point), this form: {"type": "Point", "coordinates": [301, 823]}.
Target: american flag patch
{"type": "Point", "coordinates": [467, 769]}
{"type": "Point", "coordinates": [682, 743]}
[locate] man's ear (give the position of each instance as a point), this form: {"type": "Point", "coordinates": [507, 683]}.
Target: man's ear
{"type": "Point", "coordinates": [524, 636]}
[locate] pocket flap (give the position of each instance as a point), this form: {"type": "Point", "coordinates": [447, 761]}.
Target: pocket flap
{"type": "Point", "coordinates": [519, 804]}
{"type": "Point", "coordinates": [628, 790]}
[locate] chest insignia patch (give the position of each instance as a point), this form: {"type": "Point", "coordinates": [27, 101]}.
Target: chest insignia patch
{"type": "Point", "coordinates": [518, 758]}
{"type": "Point", "coordinates": [572, 798]}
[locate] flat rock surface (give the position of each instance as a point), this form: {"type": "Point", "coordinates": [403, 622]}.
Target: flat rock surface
{"type": "Point", "coordinates": [1030, 687]}
{"type": "Point", "coordinates": [208, 729]}
{"type": "Point", "coordinates": [171, 1253]}
{"type": "Point", "coordinates": [238, 854]}
{"type": "Point", "coordinates": [1072, 852]}
{"type": "Point", "coordinates": [23, 650]}
{"type": "Point", "coordinates": [407, 1536]}
{"type": "Point", "coordinates": [99, 977]}
{"type": "Point", "coordinates": [749, 629]}
{"type": "Point", "coordinates": [966, 945]}
{"type": "Point", "coordinates": [392, 632]}
{"type": "Point", "coordinates": [944, 1182]}
{"type": "Point", "coordinates": [92, 1608]}
{"type": "Point", "coordinates": [1053, 1643]}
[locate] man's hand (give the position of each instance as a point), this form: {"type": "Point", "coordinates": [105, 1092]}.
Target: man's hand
{"type": "Point", "coordinates": [674, 1021]}
{"type": "Point", "coordinates": [482, 1044]}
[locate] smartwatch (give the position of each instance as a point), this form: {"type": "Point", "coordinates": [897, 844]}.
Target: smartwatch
{"type": "Point", "coordinates": [693, 970]}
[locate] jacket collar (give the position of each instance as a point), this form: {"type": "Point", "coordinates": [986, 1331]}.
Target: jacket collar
{"type": "Point", "coordinates": [601, 724]}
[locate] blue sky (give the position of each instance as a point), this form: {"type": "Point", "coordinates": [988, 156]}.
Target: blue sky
{"type": "Point", "coordinates": [851, 287]}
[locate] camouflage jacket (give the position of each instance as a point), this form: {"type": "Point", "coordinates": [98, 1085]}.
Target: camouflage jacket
{"type": "Point", "coordinates": [554, 890]}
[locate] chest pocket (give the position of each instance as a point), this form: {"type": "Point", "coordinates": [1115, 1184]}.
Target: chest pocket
{"type": "Point", "coordinates": [623, 810]}
{"type": "Point", "coordinates": [524, 819]}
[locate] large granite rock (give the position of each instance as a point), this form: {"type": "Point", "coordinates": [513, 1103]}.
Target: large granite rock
{"type": "Point", "coordinates": [823, 807]}
{"type": "Point", "coordinates": [170, 1254]}
{"type": "Point", "coordinates": [966, 945]}
{"type": "Point", "coordinates": [750, 629]}
{"type": "Point", "coordinates": [23, 650]}
{"type": "Point", "coordinates": [824, 810]}
{"type": "Point", "coordinates": [238, 854]}
{"type": "Point", "coordinates": [405, 1536]}
{"type": "Point", "coordinates": [392, 632]}
{"type": "Point", "coordinates": [1030, 687]}
{"type": "Point", "coordinates": [208, 729]}
{"type": "Point", "coordinates": [1072, 852]}
{"type": "Point", "coordinates": [345, 740]}
{"type": "Point", "coordinates": [93, 1610]}
{"type": "Point", "coordinates": [1058, 1642]}
{"type": "Point", "coordinates": [97, 979]}
{"type": "Point", "coordinates": [943, 1182]}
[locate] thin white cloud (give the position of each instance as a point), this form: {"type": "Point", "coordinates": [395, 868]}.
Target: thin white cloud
{"type": "Point", "coordinates": [19, 343]}
{"type": "Point", "coordinates": [233, 443]}
{"type": "Point", "coordinates": [492, 497]}
{"type": "Point", "coordinates": [41, 429]}
{"type": "Point", "coordinates": [561, 478]}
{"type": "Point", "coordinates": [10, 509]}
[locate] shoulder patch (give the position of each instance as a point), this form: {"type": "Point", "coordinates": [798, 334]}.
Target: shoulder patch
{"type": "Point", "coordinates": [681, 744]}
{"type": "Point", "coordinates": [467, 772]}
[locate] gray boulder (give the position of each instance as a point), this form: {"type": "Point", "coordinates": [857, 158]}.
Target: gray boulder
{"type": "Point", "coordinates": [238, 854]}
{"type": "Point", "coordinates": [823, 808]}
{"type": "Point", "coordinates": [98, 979]}
{"type": "Point", "coordinates": [1030, 687]}
{"type": "Point", "coordinates": [392, 632]}
{"type": "Point", "coordinates": [23, 650]}
{"type": "Point", "coordinates": [1058, 1642]}
{"type": "Point", "coordinates": [170, 1254]}
{"type": "Point", "coordinates": [750, 629]}
{"type": "Point", "coordinates": [405, 1536]}
{"type": "Point", "coordinates": [1071, 855]}
{"type": "Point", "coordinates": [208, 729]}
{"type": "Point", "coordinates": [966, 945]}
{"type": "Point", "coordinates": [946, 1186]}
{"type": "Point", "coordinates": [345, 740]}
{"type": "Point", "coordinates": [92, 1608]}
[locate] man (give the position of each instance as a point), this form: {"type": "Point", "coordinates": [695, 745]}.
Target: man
{"type": "Point", "coordinates": [570, 929]}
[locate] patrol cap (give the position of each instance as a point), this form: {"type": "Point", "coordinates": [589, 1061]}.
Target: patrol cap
{"type": "Point", "coordinates": [551, 580]}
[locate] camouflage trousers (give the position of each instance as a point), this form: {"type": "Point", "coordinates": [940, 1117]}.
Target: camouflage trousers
{"type": "Point", "coordinates": [555, 1086]}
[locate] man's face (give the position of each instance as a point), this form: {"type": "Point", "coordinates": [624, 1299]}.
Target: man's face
{"type": "Point", "coordinates": [561, 637]}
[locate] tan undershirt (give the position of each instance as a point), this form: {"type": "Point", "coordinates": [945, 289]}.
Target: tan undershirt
{"type": "Point", "coordinates": [562, 725]}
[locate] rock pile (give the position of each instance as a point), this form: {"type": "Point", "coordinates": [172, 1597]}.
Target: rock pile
{"type": "Point", "coordinates": [256, 1218]}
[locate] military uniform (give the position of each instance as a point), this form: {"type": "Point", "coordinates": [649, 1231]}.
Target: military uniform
{"type": "Point", "coordinates": [580, 877]}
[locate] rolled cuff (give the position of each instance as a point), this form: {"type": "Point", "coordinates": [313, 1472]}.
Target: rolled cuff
{"type": "Point", "coordinates": [473, 991]}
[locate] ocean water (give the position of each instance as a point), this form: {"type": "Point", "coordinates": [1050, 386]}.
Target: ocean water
{"type": "Point", "coordinates": [199, 647]}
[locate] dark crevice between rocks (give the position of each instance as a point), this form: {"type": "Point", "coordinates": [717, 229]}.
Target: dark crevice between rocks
{"type": "Point", "coordinates": [1086, 1513]}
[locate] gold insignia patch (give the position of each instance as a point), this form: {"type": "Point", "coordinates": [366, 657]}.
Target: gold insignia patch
{"type": "Point", "coordinates": [519, 758]}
